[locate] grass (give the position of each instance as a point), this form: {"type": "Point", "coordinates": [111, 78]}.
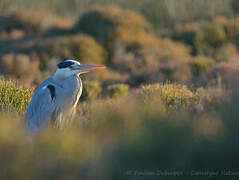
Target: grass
{"type": "Point", "coordinates": [119, 135]}
{"type": "Point", "coordinates": [13, 97]}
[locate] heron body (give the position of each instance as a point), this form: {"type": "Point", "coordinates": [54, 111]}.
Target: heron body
{"type": "Point", "coordinates": [55, 100]}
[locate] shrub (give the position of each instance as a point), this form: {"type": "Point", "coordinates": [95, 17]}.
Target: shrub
{"type": "Point", "coordinates": [201, 64]}
{"type": "Point", "coordinates": [212, 96]}
{"type": "Point", "coordinates": [227, 52]}
{"type": "Point", "coordinates": [110, 24]}
{"type": "Point", "coordinates": [14, 98]}
{"type": "Point", "coordinates": [129, 28]}
{"type": "Point", "coordinates": [129, 47]}
{"type": "Point", "coordinates": [235, 6]}
{"type": "Point", "coordinates": [168, 13]}
{"type": "Point", "coordinates": [221, 75]}
{"type": "Point", "coordinates": [210, 37]}
{"type": "Point", "coordinates": [91, 90]}
{"type": "Point", "coordinates": [81, 47]}
{"type": "Point", "coordinates": [108, 76]}
{"type": "Point", "coordinates": [165, 60]}
{"type": "Point", "coordinates": [155, 61]}
{"type": "Point", "coordinates": [117, 90]}
{"type": "Point", "coordinates": [10, 22]}
{"type": "Point", "coordinates": [21, 67]}
{"type": "Point", "coordinates": [160, 13]}
{"type": "Point", "coordinates": [132, 49]}
{"type": "Point", "coordinates": [173, 95]}
{"type": "Point", "coordinates": [231, 27]}
{"type": "Point", "coordinates": [213, 34]}
{"type": "Point", "coordinates": [174, 51]}
{"type": "Point", "coordinates": [114, 134]}
{"type": "Point", "coordinates": [30, 22]}
{"type": "Point", "coordinates": [206, 37]}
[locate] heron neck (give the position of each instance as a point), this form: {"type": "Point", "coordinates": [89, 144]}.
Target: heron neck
{"type": "Point", "coordinates": [59, 80]}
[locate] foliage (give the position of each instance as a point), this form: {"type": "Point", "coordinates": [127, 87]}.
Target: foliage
{"type": "Point", "coordinates": [130, 132]}
{"type": "Point", "coordinates": [117, 90]}
{"type": "Point", "coordinates": [221, 75]}
{"type": "Point", "coordinates": [201, 64]}
{"type": "Point", "coordinates": [20, 67]}
{"type": "Point", "coordinates": [227, 52]}
{"type": "Point", "coordinates": [91, 90]}
{"type": "Point", "coordinates": [125, 43]}
{"type": "Point", "coordinates": [235, 6]}
{"type": "Point", "coordinates": [206, 37]}
{"type": "Point", "coordinates": [14, 98]}
{"type": "Point", "coordinates": [132, 49]}
{"type": "Point", "coordinates": [160, 13]}
{"type": "Point", "coordinates": [126, 124]}
{"type": "Point", "coordinates": [28, 22]}
{"type": "Point", "coordinates": [80, 47]}
{"type": "Point", "coordinates": [173, 95]}
{"type": "Point", "coordinates": [213, 35]}
{"type": "Point", "coordinates": [108, 76]}
{"type": "Point", "coordinates": [110, 24]}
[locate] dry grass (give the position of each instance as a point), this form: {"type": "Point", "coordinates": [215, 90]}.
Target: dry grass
{"type": "Point", "coordinates": [140, 131]}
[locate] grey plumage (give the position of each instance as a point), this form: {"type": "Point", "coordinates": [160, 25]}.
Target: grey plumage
{"type": "Point", "coordinates": [55, 100]}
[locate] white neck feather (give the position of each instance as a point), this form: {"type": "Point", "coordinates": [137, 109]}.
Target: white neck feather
{"type": "Point", "coordinates": [64, 73]}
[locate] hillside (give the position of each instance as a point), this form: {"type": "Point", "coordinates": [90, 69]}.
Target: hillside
{"type": "Point", "coordinates": [166, 103]}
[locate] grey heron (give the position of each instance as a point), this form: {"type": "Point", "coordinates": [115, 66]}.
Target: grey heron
{"type": "Point", "coordinates": [54, 101]}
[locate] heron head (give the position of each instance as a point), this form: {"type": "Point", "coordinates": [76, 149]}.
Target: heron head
{"type": "Point", "coordinates": [68, 68]}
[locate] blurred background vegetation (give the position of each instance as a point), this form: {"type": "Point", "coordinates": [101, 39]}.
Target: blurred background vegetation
{"type": "Point", "coordinates": [167, 100]}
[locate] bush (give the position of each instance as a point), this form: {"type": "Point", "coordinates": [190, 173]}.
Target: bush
{"type": "Point", "coordinates": [207, 37]}
{"type": "Point", "coordinates": [201, 64]}
{"type": "Point", "coordinates": [161, 13]}
{"type": "Point", "coordinates": [174, 51]}
{"type": "Point", "coordinates": [145, 59]}
{"type": "Point", "coordinates": [91, 90]}
{"type": "Point", "coordinates": [125, 27]}
{"type": "Point", "coordinates": [155, 61]}
{"type": "Point", "coordinates": [235, 6]}
{"type": "Point", "coordinates": [173, 95]}
{"type": "Point", "coordinates": [20, 67]}
{"type": "Point", "coordinates": [110, 24]}
{"type": "Point", "coordinates": [114, 133]}
{"type": "Point", "coordinates": [180, 97]}
{"type": "Point", "coordinates": [213, 35]}
{"type": "Point", "coordinates": [30, 22]}
{"type": "Point", "coordinates": [80, 47]}
{"type": "Point", "coordinates": [211, 97]}
{"type": "Point", "coordinates": [140, 58]}
{"type": "Point", "coordinates": [10, 22]}
{"type": "Point", "coordinates": [227, 52]}
{"type": "Point", "coordinates": [117, 90]}
{"type": "Point", "coordinates": [14, 98]}
{"type": "Point", "coordinates": [108, 76]}
{"type": "Point", "coordinates": [221, 75]}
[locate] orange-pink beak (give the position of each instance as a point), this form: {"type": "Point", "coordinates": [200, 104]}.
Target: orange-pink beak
{"type": "Point", "coordinates": [87, 68]}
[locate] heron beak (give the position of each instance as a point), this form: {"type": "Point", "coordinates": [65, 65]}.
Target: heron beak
{"type": "Point", "coordinates": [87, 68]}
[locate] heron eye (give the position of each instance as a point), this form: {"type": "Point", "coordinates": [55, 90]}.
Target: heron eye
{"type": "Point", "coordinates": [71, 67]}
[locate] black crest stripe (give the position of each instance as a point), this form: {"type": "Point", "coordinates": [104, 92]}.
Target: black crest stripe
{"type": "Point", "coordinates": [52, 91]}
{"type": "Point", "coordinates": [65, 64]}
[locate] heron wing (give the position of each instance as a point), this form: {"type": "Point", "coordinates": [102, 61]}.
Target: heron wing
{"type": "Point", "coordinates": [41, 108]}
